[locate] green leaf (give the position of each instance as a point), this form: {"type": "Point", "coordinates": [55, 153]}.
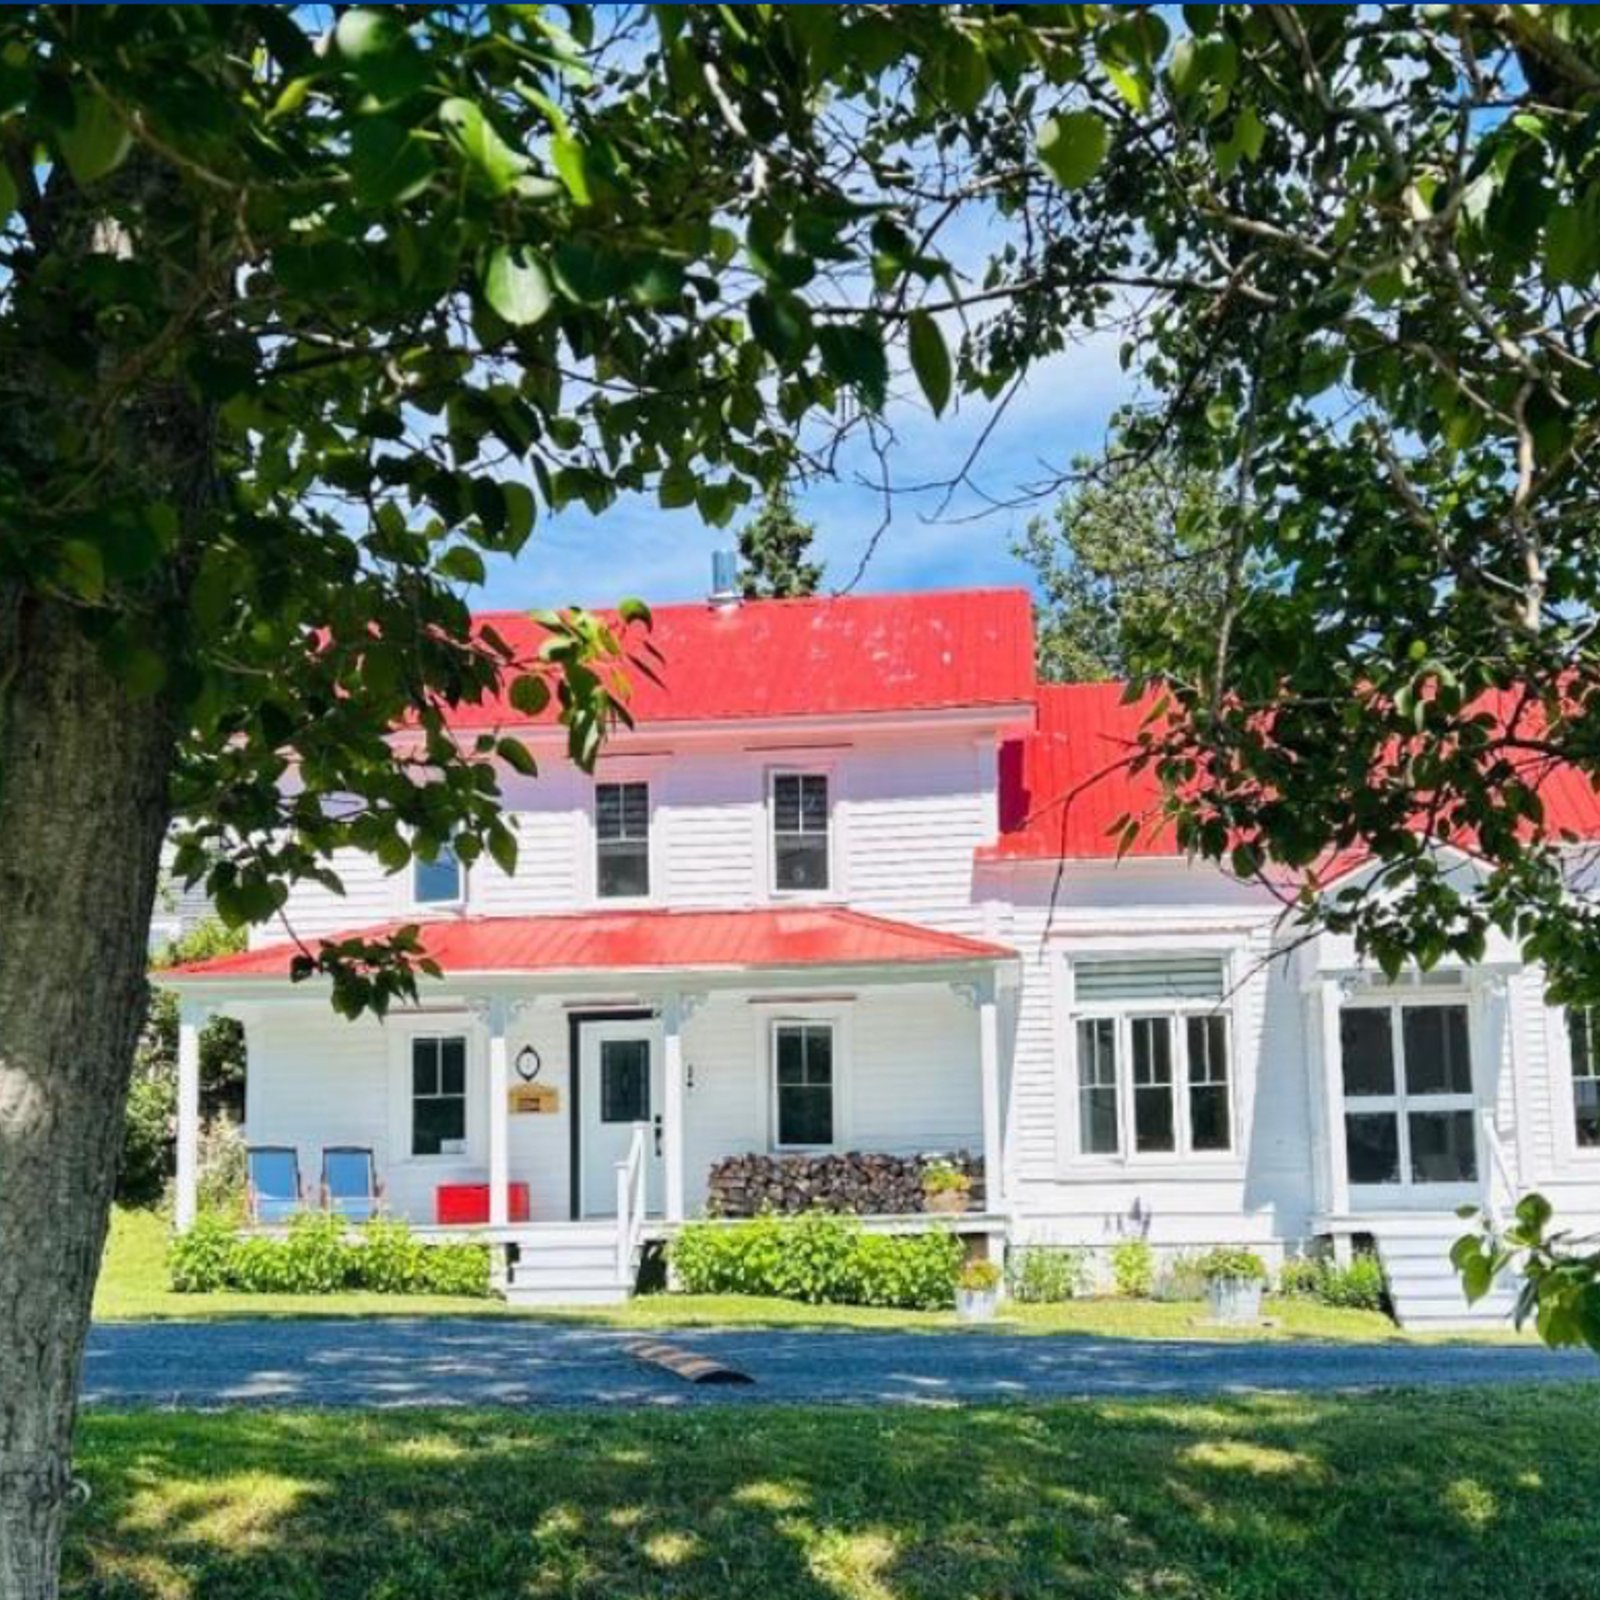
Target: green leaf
{"type": "Point", "coordinates": [515, 755]}
{"type": "Point", "coordinates": [98, 140]}
{"type": "Point", "coordinates": [1072, 147]}
{"type": "Point", "coordinates": [520, 509]}
{"type": "Point", "coordinates": [676, 489]}
{"type": "Point", "coordinates": [474, 137]}
{"type": "Point", "coordinates": [529, 695]}
{"type": "Point", "coordinates": [1130, 84]}
{"type": "Point", "coordinates": [572, 166]}
{"type": "Point", "coordinates": [462, 563]}
{"type": "Point", "coordinates": [387, 162]}
{"type": "Point", "coordinates": [8, 195]}
{"type": "Point", "coordinates": [930, 360]}
{"type": "Point", "coordinates": [503, 848]}
{"type": "Point", "coordinates": [853, 353]}
{"type": "Point", "coordinates": [1571, 251]}
{"type": "Point", "coordinates": [382, 54]}
{"type": "Point", "coordinates": [781, 324]}
{"type": "Point", "coordinates": [83, 569]}
{"type": "Point", "coordinates": [517, 286]}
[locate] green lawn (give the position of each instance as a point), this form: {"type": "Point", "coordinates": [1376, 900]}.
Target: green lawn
{"type": "Point", "coordinates": [133, 1287]}
{"type": "Point", "coordinates": [1469, 1496]}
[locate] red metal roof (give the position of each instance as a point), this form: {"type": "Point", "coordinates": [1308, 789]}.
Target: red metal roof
{"type": "Point", "coordinates": [845, 655]}
{"type": "Point", "coordinates": [1065, 787]}
{"type": "Point", "coordinates": [635, 941]}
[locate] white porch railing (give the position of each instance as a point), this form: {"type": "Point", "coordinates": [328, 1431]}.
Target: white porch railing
{"type": "Point", "coordinates": [631, 1199]}
{"type": "Point", "coordinates": [1500, 1192]}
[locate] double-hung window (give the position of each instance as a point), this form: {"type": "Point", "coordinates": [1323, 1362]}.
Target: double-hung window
{"type": "Point", "coordinates": [622, 840]}
{"type": "Point", "coordinates": [438, 1096]}
{"type": "Point", "coordinates": [437, 882]}
{"type": "Point", "coordinates": [803, 1084]}
{"type": "Point", "coordinates": [800, 831]}
{"type": "Point", "coordinates": [1583, 1034]}
{"type": "Point", "coordinates": [1154, 1073]}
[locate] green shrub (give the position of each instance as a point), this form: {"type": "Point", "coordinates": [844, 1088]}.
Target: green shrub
{"type": "Point", "coordinates": [198, 1261]}
{"type": "Point", "coordinates": [146, 1141]}
{"type": "Point", "coordinates": [1133, 1268]}
{"type": "Point", "coordinates": [1036, 1275]}
{"type": "Point", "coordinates": [320, 1255]}
{"type": "Point", "coordinates": [1360, 1286]}
{"type": "Point", "coordinates": [817, 1258]}
{"type": "Point", "coordinates": [1231, 1262]}
{"type": "Point", "coordinates": [1180, 1278]}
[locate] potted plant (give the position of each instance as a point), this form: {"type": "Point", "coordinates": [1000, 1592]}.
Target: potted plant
{"type": "Point", "coordinates": [978, 1292]}
{"type": "Point", "coordinates": [1234, 1281]}
{"type": "Point", "coordinates": [945, 1187]}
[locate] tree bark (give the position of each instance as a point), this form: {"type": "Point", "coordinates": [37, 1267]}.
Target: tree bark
{"type": "Point", "coordinates": [83, 811]}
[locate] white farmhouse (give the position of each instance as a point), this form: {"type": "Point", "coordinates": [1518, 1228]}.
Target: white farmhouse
{"type": "Point", "coordinates": [851, 885]}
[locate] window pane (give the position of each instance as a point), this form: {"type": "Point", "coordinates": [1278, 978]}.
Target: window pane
{"type": "Point", "coordinates": [1372, 1146]}
{"type": "Point", "coordinates": [1586, 1095]}
{"type": "Point", "coordinates": [1148, 978]}
{"type": "Point", "coordinates": [424, 1066]}
{"type": "Point", "coordinates": [622, 810]}
{"type": "Point", "coordinates": [437, 1122]}
{"type": "Point", "coordinates": [802, 861]}
{"type": "Point", "coordinates": [453, 1066]}
{"type": "Point", "coordinates": [1366, 1043]}
{"type": "Point", "coordinates": [439, 879]}
{"type": "Point", "coordinates": [1443, 1149]}
{"type": "Point", "coordinates": [813, 803]}
{"type": "Point", "coordinates": [1208, 1118]}
{"type": "Point", "coordinates": [1097, 1087]}
{"type": "Point", "coordinates": [1154, 1124]}
{"type": "Point", "coordinates": [1580, 1025]}
{"type": "Point", "coordinates": [624, 870]}
{"type": "Point", "coordinates": [805, 1115]}
{"type": "Point", "coordinates": [624, 1080]}
{"type": "Point", "coordinates": [1437, 1056]}
{"type": "Point", "coordinates": [786, 803]}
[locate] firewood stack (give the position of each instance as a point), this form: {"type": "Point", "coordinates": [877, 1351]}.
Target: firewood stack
{"type": "Point", "coordinates": [862, 1182]}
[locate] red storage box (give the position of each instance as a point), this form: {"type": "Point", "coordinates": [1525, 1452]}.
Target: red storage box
{"type": "Point", "coordinates": [467, 1204]}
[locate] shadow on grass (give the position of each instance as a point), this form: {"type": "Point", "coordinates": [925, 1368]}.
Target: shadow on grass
{"type": "Point", "coordinates": [1378, 1498]}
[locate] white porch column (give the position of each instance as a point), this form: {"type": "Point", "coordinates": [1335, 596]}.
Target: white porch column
{"type": "Point", "coordinates": [1333, 1097]}
{"type": "Point", "coordinates": [499, 1091]}
{"type": "Point", "coordinates": [672, 1010]}
{"type": "Point", "coordinates": [989, 1078]}
{"type": "Point", "coordinates": [191, 1017]}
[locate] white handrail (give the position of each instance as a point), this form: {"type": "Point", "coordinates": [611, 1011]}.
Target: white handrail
{"type": "Point", "coordinates": [1500, 1167]}
{"type": "Point", "coordinates": [630, 1203]}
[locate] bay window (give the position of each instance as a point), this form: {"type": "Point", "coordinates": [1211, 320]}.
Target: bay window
{"type": "Point", "coordinates": [1153, 1068]}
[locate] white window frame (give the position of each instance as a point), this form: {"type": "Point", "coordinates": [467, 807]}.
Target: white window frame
{"type": "Point", "coordinates": [458, 900]}
{"type": "Point", "coordinates": [1400, 1103]}
{"type": "Point", "coordinates": [622, 901]}
{"type": "Point", "coordinates": [1563, 1062]}
{"type": "Point", "coordinates": [1183, 1157]}
{"type": "Point", "coordinates": [828, 772]}
{"type": "Point", "coordinates": [837, 1024]}
{"type": "Point", "coordinates": [402, 1032]}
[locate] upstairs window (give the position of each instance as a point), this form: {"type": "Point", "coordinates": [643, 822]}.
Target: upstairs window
{"type": "Point", "coordinates": [436, 882]}
{"type": "Point", "coordinates": [1582, 1033]}
{"type": "Point", "coordinates": [438, 1096]}
{"type": "Point", "coordinates": [1153, 1068]}
{"type": "Point", "coordinates": [622, 835]}
{"type": "Point", "coordinates": [800, 831]}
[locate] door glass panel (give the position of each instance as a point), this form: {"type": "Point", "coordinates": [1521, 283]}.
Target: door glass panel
{"type": "Point", "coordinates": [1154, 1126]}
{"type": "Point", "coordinates": [1366, 1045]}
{"type": "Point", "coordinates": [1372, 1146]}
{"type": "Point", "coordinates": [1443, 1149]}
{"type": "Point", "coordinates": [624, 1080]}
{"type": "Point", "coordinates": [1438, 1060]}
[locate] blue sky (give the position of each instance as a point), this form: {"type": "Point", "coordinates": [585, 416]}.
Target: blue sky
{"type": "Point", "coordinates": [636, 549]}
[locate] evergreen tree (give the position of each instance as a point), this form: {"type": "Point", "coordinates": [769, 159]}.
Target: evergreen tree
{"type": "Point", "coordinates": [773, 549]}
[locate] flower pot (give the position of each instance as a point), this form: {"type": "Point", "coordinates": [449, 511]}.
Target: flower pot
{"type": "Point", "coordinates": [947, 1202]}
{"type": "Point", "coordinates": [977, 1305]}
{"type": "Point", "coordinates": [1235, 1300]}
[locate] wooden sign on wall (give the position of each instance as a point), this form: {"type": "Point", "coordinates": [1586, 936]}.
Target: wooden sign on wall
{"type": "Point", "coordinates": [537, 1099]}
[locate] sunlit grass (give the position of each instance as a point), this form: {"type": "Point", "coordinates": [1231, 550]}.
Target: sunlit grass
{"type": "Point", "coordinates": [1466, 1495]}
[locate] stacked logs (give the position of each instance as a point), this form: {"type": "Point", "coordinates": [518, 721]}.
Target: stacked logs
{"type": "Point", "coordinates": [861, 1182]}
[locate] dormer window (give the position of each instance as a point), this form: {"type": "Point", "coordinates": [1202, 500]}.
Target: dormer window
{"type": "Point", "coordinates": [437, 882]}
{"type": "Point", "coordinates": [800, 831]}
{"type": "Point", "coordinates": [622, 840]}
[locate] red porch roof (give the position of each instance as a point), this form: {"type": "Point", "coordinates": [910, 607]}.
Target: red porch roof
{"type": "Point", "coordinates": [828, 656]}
{"type": "Point", "coordinates": [637, 941]}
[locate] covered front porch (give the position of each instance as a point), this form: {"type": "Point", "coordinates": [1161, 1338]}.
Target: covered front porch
{"type": "Point", "coordinates": [553, 1103]}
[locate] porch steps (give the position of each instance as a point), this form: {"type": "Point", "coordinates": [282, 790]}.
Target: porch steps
{"type": "Point", "coordinates": [566, 1264]}
{"type": "Point", "coordinates": [1425, 1288]}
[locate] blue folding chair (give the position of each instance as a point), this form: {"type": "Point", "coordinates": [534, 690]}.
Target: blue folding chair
{"type": "Point", "coordinates": [350, 1187]}
{"type": "Point", "coordinates": [275, 1192]}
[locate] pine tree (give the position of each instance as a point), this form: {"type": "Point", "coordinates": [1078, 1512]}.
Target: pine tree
{"type": "Point", "coordinates": [773, 549]}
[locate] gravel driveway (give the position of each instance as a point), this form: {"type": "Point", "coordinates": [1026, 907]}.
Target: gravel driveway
{"type": "Point", "coordinates": [448, 1361]}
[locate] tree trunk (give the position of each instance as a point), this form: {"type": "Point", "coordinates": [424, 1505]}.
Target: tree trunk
{"type": "Point", "coordinates": [83, 810]}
